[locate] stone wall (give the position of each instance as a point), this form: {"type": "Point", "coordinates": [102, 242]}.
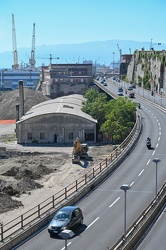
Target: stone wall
{"type": "Point", "coordinates": [148, 69]}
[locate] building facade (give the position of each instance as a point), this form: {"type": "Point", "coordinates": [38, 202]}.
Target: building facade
{"type": "Point", "coordinates": [10, 78]}
{"type": "Point", "coordinates": [64, 79]}
{"type": "Point", "coordinates": [59, 120]}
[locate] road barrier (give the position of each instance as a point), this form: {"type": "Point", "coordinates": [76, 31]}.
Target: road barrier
{"type": "Point", "coordinates": [20, 228]}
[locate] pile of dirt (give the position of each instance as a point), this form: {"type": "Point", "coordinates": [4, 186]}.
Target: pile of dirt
{"type": "Point", "coordinates": [22, 174]}
{"type": "Point", "coordinates": [9, 100]}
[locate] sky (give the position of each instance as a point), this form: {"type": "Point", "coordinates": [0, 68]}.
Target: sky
{"type": "Point", "coordinates": [79, 21]}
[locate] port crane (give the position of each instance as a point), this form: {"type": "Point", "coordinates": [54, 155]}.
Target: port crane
{"type": "Point", "coordinates": [120, 52]}
{"type": "Point", "coordinates": [32, 61]}
{"type": "Point", "coordinates": [152, 44]}
{"type": "Point", "coordinates": [50, 58]}
{"type": "Point", "coordinates": [15, 53]}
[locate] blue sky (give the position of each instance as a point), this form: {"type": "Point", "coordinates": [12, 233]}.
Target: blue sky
{"type": "Point", "coordinates": [79, 21]}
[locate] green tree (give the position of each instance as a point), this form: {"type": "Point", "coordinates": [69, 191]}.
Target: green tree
{"type": "Point", "coordinates": [120, 118]}
{"type": "Point", "coordinates": [95, 105]}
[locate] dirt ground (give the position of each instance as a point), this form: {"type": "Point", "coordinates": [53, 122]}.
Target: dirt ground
{"type": "Point", "coordinates": [21, 177]}
{"type": "Point", "coordinates": [26, 181]}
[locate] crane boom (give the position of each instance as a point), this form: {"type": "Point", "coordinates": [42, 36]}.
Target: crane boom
{"type": "Point", "coordinates": [15, 54]}
{"type": "Point", "coordinates": [32, 59]}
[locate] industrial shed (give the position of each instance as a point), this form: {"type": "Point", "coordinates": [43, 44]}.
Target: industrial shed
{"type": "Point", "coordinates": [58, 120]}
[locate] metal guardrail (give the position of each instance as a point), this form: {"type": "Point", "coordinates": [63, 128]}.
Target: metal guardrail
{"type": "Point", "coordinates": [142, 223]}
{"type": "Point", "coordinates": [15, 227]}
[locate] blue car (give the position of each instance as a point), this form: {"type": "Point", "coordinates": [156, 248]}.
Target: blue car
{"type": "Point", "coordinates": [67, 217]}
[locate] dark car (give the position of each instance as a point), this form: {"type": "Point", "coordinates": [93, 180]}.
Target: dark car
{"type": "Point", "coordinates": [67, 217]}
{"type": "Point", "coordinates": [131, 95]}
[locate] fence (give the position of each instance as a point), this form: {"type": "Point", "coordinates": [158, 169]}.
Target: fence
{"type": "Point", "coordinates": [14, 228]}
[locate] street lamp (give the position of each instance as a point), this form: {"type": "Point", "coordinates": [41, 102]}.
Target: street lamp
{"type": "Point", "coordinates": [125, 187]}
{"type": "Point", "coordinates": [156, 160]}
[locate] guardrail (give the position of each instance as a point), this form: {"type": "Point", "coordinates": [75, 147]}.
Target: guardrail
{"type": "Point", "coordinates": [40, 215]}
{"type": "Point", "coordinates": [140, 226]}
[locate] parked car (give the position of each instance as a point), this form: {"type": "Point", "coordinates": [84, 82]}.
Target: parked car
{"type": "Point", "coordinates": [67, 217]}
{"type": "Point", "coordinates": [105, 84]}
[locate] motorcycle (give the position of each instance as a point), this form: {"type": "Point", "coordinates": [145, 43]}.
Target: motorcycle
{"type": "Point", "coordinates": [139, 105]}
{"type": "Point", "coordinates": [148, 143]}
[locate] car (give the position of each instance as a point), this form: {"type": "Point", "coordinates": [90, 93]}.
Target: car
{"type": "Point", "coordinates": [105, 84]}
{"type": "Point", "coordinates": [66, 217]}
{"type": "Point", "coordinates": [120, 91]}
{"type": "Point", "coordinates": [131, 95]}
{"type": "Point", "coordinates": [130, 87]}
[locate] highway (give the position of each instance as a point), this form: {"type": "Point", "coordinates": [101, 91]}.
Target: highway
{"type": "Point", "coordinates": [103, 209]}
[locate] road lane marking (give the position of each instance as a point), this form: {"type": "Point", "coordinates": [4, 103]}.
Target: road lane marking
{"type": "Point", "coordinates": [153, 152]}
{"type": "Point", "coordinates": [67, 245]}
{"type": "Point", "coordinates": [141, 172]}
{"type": "Point", "coordinates": [148, 162]}
{"type": "Point", "coordinates": [92, 223]}
{"type": "Point", "coordinates": [131, 183]}
{"type": "Point", "coordinates": [159, 139]}
{"type": "Point", "coordinates": [157, 145]}
{"type": "Point", "coordinates": [114, 202]}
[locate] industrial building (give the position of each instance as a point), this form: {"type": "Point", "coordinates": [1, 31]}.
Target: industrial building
{"type": "Point", "coordinates": [10, 79]}
{"type": "Point", "coordinates": [59, 120]}
{"type": "Point", "coordinates": [64, 79]}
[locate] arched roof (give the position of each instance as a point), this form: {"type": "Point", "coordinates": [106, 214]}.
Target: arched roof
{"type": "Point", "coordinates": [70, 104]}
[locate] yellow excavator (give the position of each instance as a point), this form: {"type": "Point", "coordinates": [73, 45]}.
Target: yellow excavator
{"type": "Point", "coordinates": [79, 151]}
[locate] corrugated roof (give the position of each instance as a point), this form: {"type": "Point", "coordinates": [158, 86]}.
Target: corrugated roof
{"type": "Point", "coordinates": [70, 104]}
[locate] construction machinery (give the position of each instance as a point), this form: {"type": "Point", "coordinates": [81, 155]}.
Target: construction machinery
{"type": "Point", "coordinates": [80, 151]}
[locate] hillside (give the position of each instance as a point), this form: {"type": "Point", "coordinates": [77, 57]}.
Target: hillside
{"type": "Point", "coordinates": [9, 100]}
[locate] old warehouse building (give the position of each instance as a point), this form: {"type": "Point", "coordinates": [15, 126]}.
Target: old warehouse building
{"type": "Point", "coordinates": [58, 120]}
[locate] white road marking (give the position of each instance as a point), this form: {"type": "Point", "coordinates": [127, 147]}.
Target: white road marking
{"type": "Point", "coordinates": [148, 162]}
{"type": "Point", "coordinates": [159, 139]}
{"type": "Point", "coordinates": [67, 245]}
{"type": "Point", "coordinates": [153, 152]}
{"type": "Point", "coordinates": [157, 145]}
{"type": "Point", "coordinates": [92, 222]}
{"type": "Point", "coordinates": [114, 202]}
{"type": "Point", "coordinates": [131, 183]}
{"type": "Point", "coordinates": [141, 172]}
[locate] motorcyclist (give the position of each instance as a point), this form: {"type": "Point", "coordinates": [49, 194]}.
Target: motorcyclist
{"type": "Point", "coordinates": [139, 105]}
{"type": "Point", "coordinates": [148, 139]}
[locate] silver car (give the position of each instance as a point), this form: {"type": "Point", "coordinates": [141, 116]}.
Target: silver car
{"type": "Point", "coordinates": [67, 217]}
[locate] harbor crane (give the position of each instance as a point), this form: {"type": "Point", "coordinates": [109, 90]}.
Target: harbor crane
{"type": "Point", "coordinates": [32, 61]}
{"type": "Point", "coordinates": [50, 58]}
{"type": "Point", "coordinates": [15, 53]}
{"type": "Point", "coordinates": [152, 44]}
{"type": "Point", "coordinates": [120, 52]}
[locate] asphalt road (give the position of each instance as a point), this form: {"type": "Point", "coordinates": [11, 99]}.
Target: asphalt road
{"type": "Point", "coordinates": [103, 209]}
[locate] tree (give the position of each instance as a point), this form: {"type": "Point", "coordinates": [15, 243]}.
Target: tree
{"type": "Point", "coordinates": [120, 118]}
{"type": "Point", "coordinates": [95, 105]}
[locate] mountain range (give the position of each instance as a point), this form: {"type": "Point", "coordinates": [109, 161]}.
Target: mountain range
{"type": "Point", "coordinates": [100, 52]}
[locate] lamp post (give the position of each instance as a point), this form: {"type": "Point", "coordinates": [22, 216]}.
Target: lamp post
{"type": "Point", "coordinates": [66, 234]}
{"type": "Point", "coordinates": [125, 187]}
{"type": "Point", "coordinates": [156, 160]}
